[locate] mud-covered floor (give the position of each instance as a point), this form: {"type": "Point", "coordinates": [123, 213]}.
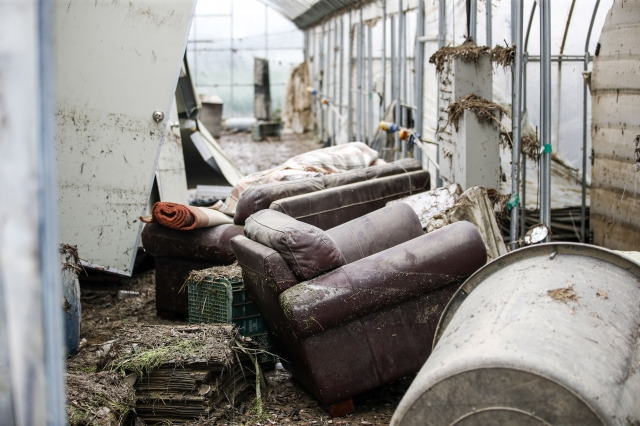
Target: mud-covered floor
{"type": "Point", "coordinates": [104, 315]}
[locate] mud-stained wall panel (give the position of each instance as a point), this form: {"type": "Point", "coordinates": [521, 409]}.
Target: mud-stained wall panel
{"type": "Point", "coordinates": [117, 63]}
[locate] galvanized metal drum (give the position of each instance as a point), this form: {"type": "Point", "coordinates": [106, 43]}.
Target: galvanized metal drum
{"type": "Point", "coordinates": [548, 334]}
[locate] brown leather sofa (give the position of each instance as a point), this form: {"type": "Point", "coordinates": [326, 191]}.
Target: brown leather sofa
{"type": "Point", "coordinates": [356, 306]}
{"type": "Point", "coordinates": [350, 194]}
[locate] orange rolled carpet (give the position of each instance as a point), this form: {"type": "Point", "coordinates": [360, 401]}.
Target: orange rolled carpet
{"type": "Point", "coordinates": [183, 217]}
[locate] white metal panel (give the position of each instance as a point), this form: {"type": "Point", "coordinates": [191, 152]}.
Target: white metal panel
{"type": "Point", "coordinates": [117, 63]}
{"type": "Point", "coordinates": [171, 175]}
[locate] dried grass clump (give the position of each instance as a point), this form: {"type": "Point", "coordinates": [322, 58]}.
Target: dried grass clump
{"type": "Point", "coordinates": [102, 398]}
{"type": "Point", "coordinates": [529, 145]}
{"type": "Point", "coordinates": [485, 110]}
{"type": "Point", "coordinates": [229, 272]}
{"type": "Point", "coordinates": [148, 348]}
{"type": "Point", "coordinates": [468, 51]}
{"type": "Point", "coordinates": [564, 295]}
{"type": "Point", "coordinates": [503, 55]}
{"type": "Point", "coordinates": [499, 202]}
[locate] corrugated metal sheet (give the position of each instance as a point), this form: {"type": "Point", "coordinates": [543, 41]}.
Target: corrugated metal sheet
{"type": "Point", "coordinates": [305, 13]}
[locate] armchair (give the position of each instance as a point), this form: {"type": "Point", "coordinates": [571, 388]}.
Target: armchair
{"type": "Point", "coordinates": [356, 306]}
{"type": "Point", "coordinates": [326, 201]}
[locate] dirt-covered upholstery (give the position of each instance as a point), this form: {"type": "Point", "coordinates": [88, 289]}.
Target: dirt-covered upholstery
{"type": "Point", "coordinates": [370, 317]}
{"type": "Point", "coordinates": [352, 194]}
{"type": "Point", "coordinates": [260, 197]}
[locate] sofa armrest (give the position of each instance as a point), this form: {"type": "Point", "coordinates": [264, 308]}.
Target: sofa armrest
{"type": "Point", "coordinates": [444, 257]}
{"type": "Point", "coordinates": [211, 244]}
{"type": "Point", "coordinates": [334, 206]}
{"type": "Point", "coordinates": [264, 264]}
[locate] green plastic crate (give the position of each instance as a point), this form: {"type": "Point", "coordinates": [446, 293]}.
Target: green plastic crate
{"type": "Point", "coordinates": [225, 301]}
{"type": "Point", "coordinates": [211, 300]}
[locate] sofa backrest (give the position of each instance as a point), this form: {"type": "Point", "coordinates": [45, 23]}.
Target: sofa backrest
{"type": "Point", "coordinates": [333, 206]}
{"type": "Point", "coordinates": [376, 231]}
{"type": "Point", "coordinates": [259, 197]}
{"type": "Point", "coordinates": [403, 165]}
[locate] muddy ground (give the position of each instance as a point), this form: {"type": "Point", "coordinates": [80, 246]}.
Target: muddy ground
{"type": "Point", "coordinates": [104, 315]}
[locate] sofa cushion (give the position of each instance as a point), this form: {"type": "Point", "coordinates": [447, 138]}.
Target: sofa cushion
{"type": "Point", "coordinates": [308, 250]}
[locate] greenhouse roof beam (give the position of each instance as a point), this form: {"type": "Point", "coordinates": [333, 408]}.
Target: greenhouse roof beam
{"type": "Point", "coordinates": [306, 13]}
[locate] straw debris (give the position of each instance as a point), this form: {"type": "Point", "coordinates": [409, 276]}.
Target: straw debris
{"type": "Point", "coordinates": [229, 272]}
{"type": "Point", "coordinates": [499, 203]}
{"type": "Point", "coordinates": [564, 295]}
{"type": "Point", "coordinates": [148, 348]}
{"type": "Point", "coordinates": [486, 111]}
{"type": "Point", "coordinates": [503, 55]}
{"type": "Point", "coordinates": [529, 145]}
{"type": "Point", "coordinates": [468, 51]}
{"type": "Point", "coordinates": [102, 398]}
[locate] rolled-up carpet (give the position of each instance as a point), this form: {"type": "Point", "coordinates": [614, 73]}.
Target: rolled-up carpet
{"type": "Point", "coordinates": [183, 217]}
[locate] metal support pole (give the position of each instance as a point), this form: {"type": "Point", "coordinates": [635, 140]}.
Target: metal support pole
{"type": "Point", "coordinates": [525, 59]}
{"type": "Point", "coordinates": [340, 85]}
{"type": "Point", "coordinates": [397, 49]}
{"type": "Point", "coordinates": [360, 74]}
{"type": "Point", "coordinates": [523, 168]}
{"type": "Point", "coordinates": [334, 92]}
{"type": "Point", "coordinates": [402, 49]}
{"type": "Point", "coordinates": [545, 112]}
{"type": "Point", "coordinates": [349, 81]}
{"type": "Point", "coordinates": [442, 30]}
{"type": "Point", "coordinates": [516, 38]}
{"type": "Point", "coordinates": [371, 127]}
{"type": "Point", "coordinates": [394, 86]}
{"type": "Point", "coordinates": [320, 82]}
{"type": "Point", "coordinates": [473, 19]}
{"type": "Point", "coordinates": [488, 23]}
{"type": "Point", "coordinates": [231, 53]}
{"type": "Point", "coordinates": [327, 80]}
{"type": "Point", "coordinates": [312, 64]}
{"type": "Point", "coordinates": [419, 64]}
{"type": "Point", "coordinates": [383, 104]}
{"type": "Point", "coordinates": [583, 208]}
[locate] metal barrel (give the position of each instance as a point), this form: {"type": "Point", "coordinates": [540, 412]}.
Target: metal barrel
{"type": "Point", "coordinates": [548, 334]}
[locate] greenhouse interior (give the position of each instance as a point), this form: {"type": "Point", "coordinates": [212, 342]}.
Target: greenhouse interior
{"type": "Point", "coordinates": [372, 212]}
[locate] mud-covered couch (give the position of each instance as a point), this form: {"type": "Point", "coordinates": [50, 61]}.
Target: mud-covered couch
{"type": "Point", "coordinates": [325, 201]}
{"type": "Point", "coordinates": [356, 306]}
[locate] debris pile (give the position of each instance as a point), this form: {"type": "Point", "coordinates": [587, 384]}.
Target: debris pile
{"type": "Point", "coordinates": [166, 374]}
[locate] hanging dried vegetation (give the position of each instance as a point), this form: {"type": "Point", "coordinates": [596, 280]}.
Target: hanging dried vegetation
{"type": "Point", "coordinates": [469, 51]}
{"type": "Point", "coordinates": [485, 110]}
